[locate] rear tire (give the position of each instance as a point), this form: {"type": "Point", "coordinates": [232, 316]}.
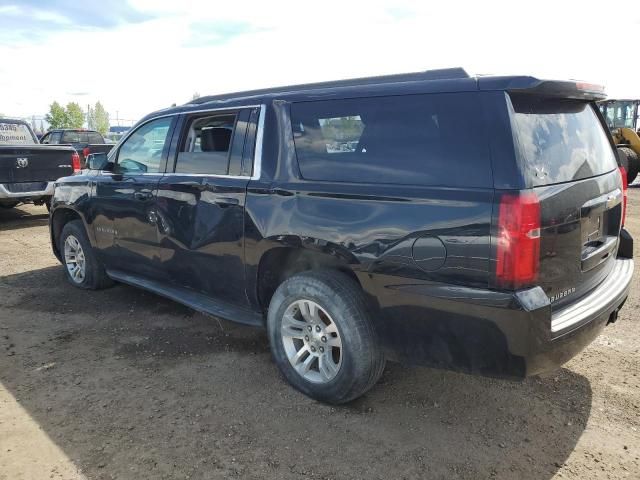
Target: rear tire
{"type": "Point", "coordinates": [82, 268]}
{"type": "Point", "coordinates": [630, 161]}
{"type": "Point", "coordinates": [319, 322]}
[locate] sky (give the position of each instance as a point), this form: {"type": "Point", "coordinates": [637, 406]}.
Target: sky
{"type": "Point", "coordinates": [142, 55]}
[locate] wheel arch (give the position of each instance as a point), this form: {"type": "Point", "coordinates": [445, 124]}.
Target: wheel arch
{"type": "Point", "coordinates": [282, 261]}
{"type": "Point", "coordinates": [59, 218]}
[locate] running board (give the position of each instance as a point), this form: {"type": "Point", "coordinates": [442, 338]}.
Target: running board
{"type": "Point", "coordinates": [199, 302]}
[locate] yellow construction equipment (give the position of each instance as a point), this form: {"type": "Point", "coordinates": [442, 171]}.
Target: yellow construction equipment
{"type": "Point", "coordinates": [622, 119]}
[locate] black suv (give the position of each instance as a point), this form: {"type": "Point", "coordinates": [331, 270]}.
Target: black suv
{"type": "Point", "coordinates": [430, 218]}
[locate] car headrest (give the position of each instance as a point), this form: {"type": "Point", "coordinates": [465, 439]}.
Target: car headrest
{"type": "Point", "coordinates": [215, 139]}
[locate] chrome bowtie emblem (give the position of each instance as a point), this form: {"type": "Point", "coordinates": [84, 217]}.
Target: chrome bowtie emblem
{"type": "Point", "coordinates": [22, 162]}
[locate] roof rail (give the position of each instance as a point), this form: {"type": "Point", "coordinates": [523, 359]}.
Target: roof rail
{"type": "Point", "coordinates": [438, 74]}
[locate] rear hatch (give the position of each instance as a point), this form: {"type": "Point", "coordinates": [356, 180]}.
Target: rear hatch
{"type": "Point", "coordinates": [567, 159]}
{"type": "Point", "coordinates": [34, 163]}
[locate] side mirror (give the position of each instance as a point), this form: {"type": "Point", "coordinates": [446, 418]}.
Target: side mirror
{"type": "Point", "coordinates": [97, 161]}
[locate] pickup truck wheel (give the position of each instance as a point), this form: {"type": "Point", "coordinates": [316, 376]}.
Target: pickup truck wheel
{"type": "Point", "coordinates": [322, 337]}
{"type": "Point", "coordinates": [81, 265]}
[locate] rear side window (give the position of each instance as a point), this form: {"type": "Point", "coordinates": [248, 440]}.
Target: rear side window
{"type": "Point", "coordinates": [206, 146]}
{"type": "Point", "coordinates": [560, 140]}
{"type": "Point", "coordinates": [15, 134]}
{"type": "Point", "coordinates": [433, 139]}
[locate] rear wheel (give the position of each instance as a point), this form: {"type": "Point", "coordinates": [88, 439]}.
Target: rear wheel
{"type": "Point", "coordinates": [322, 338]}
{"type": "Point", "coordinates": [82, 268]}
{"type": "Point", "coordinates": [630, 160]}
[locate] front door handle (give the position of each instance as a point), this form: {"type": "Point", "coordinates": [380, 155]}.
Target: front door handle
{"type": "Point", "coordinates": [142, 195]}
{"type": "Point", "coordinates": [227, 201]}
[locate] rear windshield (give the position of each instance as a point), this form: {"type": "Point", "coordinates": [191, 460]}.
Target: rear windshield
{"type": "Point", "coordinates": [15, 134]}
{"type": "Point", "coordinates": [74, 137]}
{"type": "Point", "coordinates": [413, 140]}
{"type": "Point", "coordinates": [561, 140]}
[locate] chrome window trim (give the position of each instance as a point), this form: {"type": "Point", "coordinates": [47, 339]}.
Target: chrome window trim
{"type": "Point", "coordinates": [257, 154]}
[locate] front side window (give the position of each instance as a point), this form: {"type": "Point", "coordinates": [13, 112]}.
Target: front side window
{"type": "Point", "coordinates": [142, 151]}
{"type": "Point", "coordinates": [410, 140]}
{"type": "Point", "coordinates": [206, 146]}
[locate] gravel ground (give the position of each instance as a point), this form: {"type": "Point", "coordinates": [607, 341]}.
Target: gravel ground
{"type": "Point", "coordinates": [124, 384]}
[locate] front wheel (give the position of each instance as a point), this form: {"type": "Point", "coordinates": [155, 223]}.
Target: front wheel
{"type": "Point", "coordinates": [82, 268]}
{"type": "Point", "coordinates": [322, 337]}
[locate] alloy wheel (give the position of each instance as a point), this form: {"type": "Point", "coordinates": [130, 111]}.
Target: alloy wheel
{"type": "Point", "coordinates": [74, 259]}
{"type": "Point", "coordinates": [311, 341]}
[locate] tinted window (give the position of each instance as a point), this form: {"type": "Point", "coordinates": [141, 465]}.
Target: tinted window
{"type": "Point", "coordinates": [434, 139]}
{"type": "Point", "coordinates": [95, 137]}
{"type": "Point", "coordinates": [561, 140]}
{"type": "Point", "coordinates": [55, 138]}
{"type": "Point", "coordinates": [71, 137]}
{"type": "Point", "coordinates": [142, 151]}
{"type": "Point", "coordinates": [206, 146]}
{"type": "Point", "coordinates": [15, 134]}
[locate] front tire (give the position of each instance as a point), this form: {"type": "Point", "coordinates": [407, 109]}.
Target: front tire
{"type": "Point", "coordinates": [82, 268]}
{"type": "Point", "coordinates": [322, 337]}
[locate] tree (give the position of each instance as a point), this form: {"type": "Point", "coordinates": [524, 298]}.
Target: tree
{"type": "Point", "coordinates": [195, 96]}
{"type": "Point", "coordinates": [57, 116]}
{"type": "Point", "coordinates": [91, 118]}
{"type": "Point", "coordinates": [101, 119]}
{"type": "Point", "coordinates": [75, 115]}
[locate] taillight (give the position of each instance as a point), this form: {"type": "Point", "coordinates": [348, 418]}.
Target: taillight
{"type": "Point", "coordinates": [85, 152]}
{"type": "Point", "coordinates": [625, 186]}
{"type": "Point", "coordinates": [518, 245]}
{"type": "Point", "coordinates": [75, 162]}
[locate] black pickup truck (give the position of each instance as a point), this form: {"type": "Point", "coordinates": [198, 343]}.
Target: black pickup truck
{"type": "Point", "coordinates": [84, 142]}
{"type": "Point", "coordinates": [27, 169]}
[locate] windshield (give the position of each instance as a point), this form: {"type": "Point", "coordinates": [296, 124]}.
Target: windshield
{"type": "Point", "coordinates": [561, 140]}
{"type": "Point", "coordinates": [15, 134]}
{"type": "Point", "coordinates": [621, 114]}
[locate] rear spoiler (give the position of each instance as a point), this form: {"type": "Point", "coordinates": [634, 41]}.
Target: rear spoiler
{"type": "Point", "coordinates": [549, 88]}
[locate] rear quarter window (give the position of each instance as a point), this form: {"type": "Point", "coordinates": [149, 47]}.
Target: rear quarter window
{"type": "Point", "coordinates": [560, 140]}
{"type": "Point", "coordinates": [431, 139]}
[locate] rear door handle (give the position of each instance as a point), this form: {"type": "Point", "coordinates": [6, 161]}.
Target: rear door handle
{"type": "Point", "coordinates": [142, 195]}
{"type": "Point", "coordinates": [227, 201]}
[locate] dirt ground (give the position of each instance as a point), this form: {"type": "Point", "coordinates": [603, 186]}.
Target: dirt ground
{"type": "Point", "coordinates": [124, 384]}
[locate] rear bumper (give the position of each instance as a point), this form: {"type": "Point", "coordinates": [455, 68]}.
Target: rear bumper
{"type": "Point", "coordinates": [7, 193]}
{"type": "Point", "coordinates": [495, 333]}
{"type": "Point", "coordinates": [577, 325]}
